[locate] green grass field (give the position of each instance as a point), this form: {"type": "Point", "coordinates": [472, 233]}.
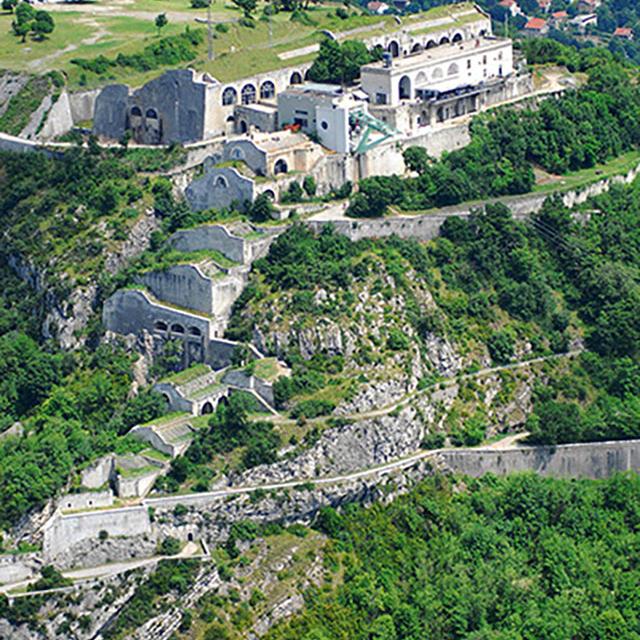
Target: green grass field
{"type": "Point", "coordinates": [110, 27]}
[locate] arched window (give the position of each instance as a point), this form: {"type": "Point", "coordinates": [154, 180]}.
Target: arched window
{"type": "Point", "coordinates": [220, 183]}
{"type": "Point", "coordinates": [177, 328]}
{"type": "Point", "coordinates": [280, 166]}
{"type": "Point", "coordinates": [423, 120]}
{"type": "Point", "coordinates": [457, 37]}
{"type": "Point", "coordinates": [306, 74]}
{"type": "Point", "coordinates": [237, 153]}
{"type": "Point", "coordinates": [270, 194]}
{"type": "Point", "coordinates": [194, 331]}
{"type": "Point", "coordinates": [437, 74]}
{"type": "Point", "coordinates": [394, 48]}
{"type": "Point", "coordinates": [243, 126]}
{"type": "Point", "coordinates": [431, 44]}
{"type": "Point", "coordinates": [207, 408]}
{"type": "Point", "coordinates": [405, 88]}
{"type": "Point", "coordinates": [136, 111]}
{"type": "Point", "coordinates": [444, 40]}
{"type": "Point", "coordinates": [267, 90]}
{"type": "Point", "coordinates": [453, 69]}
{"type": "Point", "coordinates": [229, 96]}
{"type": "Point", "coordinates": [417, 48]}
{"type": "Point", "coordinates": [248, 94]}
{"type": "Point", "coordinates": [296, 78]}
{"type": "Point", "coordinates": [160, 326]}
{"type": "Point", "coordinates": [152, 113]}
{"type": "Point", "coordinates": [421, 78]}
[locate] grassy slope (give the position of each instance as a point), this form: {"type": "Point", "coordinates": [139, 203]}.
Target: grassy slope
{"type": "Point", "coordinates": [238, 53]}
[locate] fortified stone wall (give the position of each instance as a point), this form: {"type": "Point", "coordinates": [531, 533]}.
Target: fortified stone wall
{"type": "Point", "coordinates": [86, 500]}
{"type": "Point", "coordinates": [220, 187]}
{"type": "Point", "coordinates": [591, 460]}
{"type": "Point", "coordinates": [212, 237]}
{"type": "Point", "coordinates": [97, 474]}
{"type": "Point", "coordinates": [63, 531]}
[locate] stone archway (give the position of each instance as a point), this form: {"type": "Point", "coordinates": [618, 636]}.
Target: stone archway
{"type": "Point", "coordinates": [207, 408]}
{"type": "Point", "coordinates": [394, 49]}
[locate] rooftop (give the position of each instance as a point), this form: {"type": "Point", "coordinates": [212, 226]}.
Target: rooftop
{"type": "Point", "coordinates": [536, 24]}
{"type": "Point", "coordinates": [623, 32]}
{"type": "Point", "coordinates": [444, 52]}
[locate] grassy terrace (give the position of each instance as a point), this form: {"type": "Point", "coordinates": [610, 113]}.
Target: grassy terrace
{"type": "Point", "coordinates": [107, 28]}
{"type": "Point", "coordinates": [174, 416]}
{"type": "Point", "coordinates": [183, 377]}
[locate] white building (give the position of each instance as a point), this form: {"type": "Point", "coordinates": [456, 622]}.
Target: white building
{"type": "Point", "coordinates": [437, 70]}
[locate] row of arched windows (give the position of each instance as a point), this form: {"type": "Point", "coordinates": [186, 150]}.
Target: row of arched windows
{"type": "Point", "coordinates": [394, 46]}
{"type": "Point", "coordinates": [176, 328]}
{"type": "Point", "coordinates": [249, 92]}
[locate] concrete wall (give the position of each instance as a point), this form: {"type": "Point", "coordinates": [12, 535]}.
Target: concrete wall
{"type": "Point", "coordinates": [97, 474]}
{"type": "Point", "coordinates": [220, 188]}
{"type": "Point", "coordinates": [246, 150]}
{"type": "Point", "coordinates": [242, 380]}
{"type": "Point", "coordinates": [148, 434]}
{"type": "Point", "coordinates": [63, 531]}
{"type": "Point", "coordinates": [86, 500]}
{"type": "Point", "coordinates": [590, 460]}
{"type": "Point", "coordinates": [175, 400]}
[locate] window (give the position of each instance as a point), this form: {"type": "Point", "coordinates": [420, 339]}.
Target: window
{"type": "Point", "coordinates": [267, 90]}
{"type": "Point", "coordinates": [381, 98]}
{"type": "Point", "coordinates": [280, 167]}
{"type": "Point", "coordinates": [324, 124]}
{"type": "Point", "coordinates": [220, 183]}
{"type": "Point", "coordinates": [152, 113]}
{"type": "Point", "coordinates": [248, 94]}
{"type": "Point", "coordinates": [136, 111]}
{"type": "Point", "coordinates": [229, 96]}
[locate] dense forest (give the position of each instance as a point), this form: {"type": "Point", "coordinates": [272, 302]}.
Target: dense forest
{"type": "Point", "coordinates": [518, 558]}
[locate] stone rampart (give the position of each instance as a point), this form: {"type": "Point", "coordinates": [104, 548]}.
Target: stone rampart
{"type": "Point", "coordinates": [64, 531]}
{"type": "Point", "coordinates": [86, 500]}
{"type": "Point", "coordinates": [98, 474]}
{"type": "Point", "coordinates": [212, 237]}
{"type": "Point", "coordinates": [588, 460]}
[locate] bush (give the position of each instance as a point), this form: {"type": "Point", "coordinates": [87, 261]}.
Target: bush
{"type": "Point", "coordinates": [169, 547]}
{"type": "Point", "coordinates": [501, 346]}
{"type": "Point", "coordinates": [312, 409]}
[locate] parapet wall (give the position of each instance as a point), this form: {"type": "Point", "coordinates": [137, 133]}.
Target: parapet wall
{"type": "Point", "coordinates": [589, 460]}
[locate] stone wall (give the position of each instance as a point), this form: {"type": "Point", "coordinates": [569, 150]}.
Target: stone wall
{"type": "Point", "coordinates": [86, 500]}
{"type": "Point", "coordinates": [97, 474]}
{"type": "Point", "coordinates": [590, 460]}
{"type": "Point", "coordinates": [63, 531]}
{"type": "Point", "coordinates": [211, 237]}
{"type": "Point", "coordinates": [220, 188]}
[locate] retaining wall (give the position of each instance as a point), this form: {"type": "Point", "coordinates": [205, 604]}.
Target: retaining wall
{"type": "Point", "coordinates": [15, 568]}
{"type": "Point", "coordinates": [589, 460]}
{"type": "Point", "coordinates": [64, 531]}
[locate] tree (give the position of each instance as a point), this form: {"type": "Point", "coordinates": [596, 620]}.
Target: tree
{"type": "Point", "coordinates": [24, 15]}
{"type": "Point", "coordinates": [309, 186]}
{"type": "Point", "coordinates": [42, 25]}
{"type": "Point", "coordinates": [247, 7]}
{"type": "Point", "coordinates": [161, 21]}
{"type": "Point", "coordinates": [9, 5]}
{"type": "Point", "coordinates": [261, 209]}
{"type": "Point", "coordinates": [339, 63]}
